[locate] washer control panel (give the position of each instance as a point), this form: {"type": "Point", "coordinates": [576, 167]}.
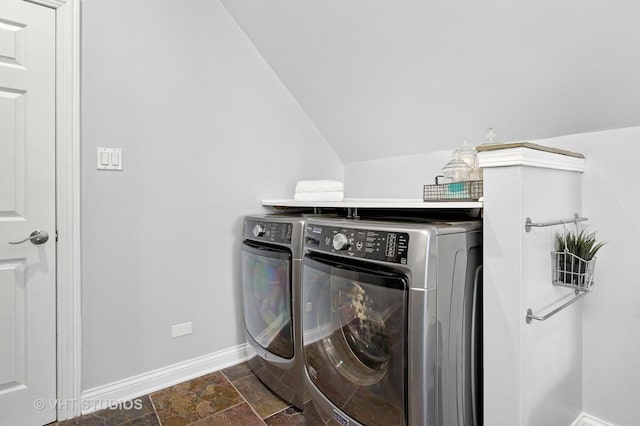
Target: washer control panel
{"type": "Point", "coordinates": [385, 246]}
{"type": "Point", "coordinates": [272, 232]}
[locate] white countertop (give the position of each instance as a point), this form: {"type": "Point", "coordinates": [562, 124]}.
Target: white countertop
{"type": "Point", "coordinates": [376, 203]}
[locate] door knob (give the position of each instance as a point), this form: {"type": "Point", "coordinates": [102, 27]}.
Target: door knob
{"type": "Point", "coordinates": [36, 237]}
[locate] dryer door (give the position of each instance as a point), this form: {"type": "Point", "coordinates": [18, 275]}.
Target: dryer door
{"type": "Point", "coordinates": [266, 290]}
{"type": "Point", "coordinates": [355, 322]}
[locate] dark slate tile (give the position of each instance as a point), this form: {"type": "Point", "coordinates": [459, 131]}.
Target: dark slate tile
{"type": "Point", "coordinates": [290, 416]}
{"type": "Point", "coordinates": [259, 396]}
{"type": "Point", "coordinates": [86, 420]}
{"type": "Point", "coordinates": [238, 371]}
{"type": "Point", "coordinates": [190, 401]}
{"type": "Point", "coordinates": [126, 411]}
{"type": "Point", "coordinates": [241, 414]}
{"type": "Point", "coordinates": [148, 420]}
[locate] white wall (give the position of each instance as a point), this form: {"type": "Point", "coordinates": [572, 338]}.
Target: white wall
{"type": "Point", "coordinates": [395, 177]}
{"type": "Point", "coordinates": [611, 314]}
{"type": "Point", "coordinates": [391, 78]}
{"type": "Point", "coordinates": [207, 131]}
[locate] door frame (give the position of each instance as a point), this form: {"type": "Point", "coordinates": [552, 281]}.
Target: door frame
{"type": "Point", "coordinates": [68, 267]}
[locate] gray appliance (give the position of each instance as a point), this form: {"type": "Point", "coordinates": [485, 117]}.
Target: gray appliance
{"type": "Point", "coordinates": [271, 274]}
{"type": "Point", "coordinates": [391, 321]}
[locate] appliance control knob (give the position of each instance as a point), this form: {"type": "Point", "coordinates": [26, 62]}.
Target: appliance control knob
{"type": "Point", "coordinates": [259, 230]}
{"type": "Point", "coordinates": [340, 241]}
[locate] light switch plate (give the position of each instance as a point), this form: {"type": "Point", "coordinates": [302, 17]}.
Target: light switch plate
{"type": "Point", "coordinates": [109, 158]}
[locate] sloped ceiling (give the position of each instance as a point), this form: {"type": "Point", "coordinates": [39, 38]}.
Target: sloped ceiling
{"type": "Point", "coordinates": [385, 78]}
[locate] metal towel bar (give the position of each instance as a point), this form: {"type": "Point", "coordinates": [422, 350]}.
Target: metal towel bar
{"type": "Point", "coordinates": [530, 315]}
{"type": "Point", "coordinates": [528, 224]}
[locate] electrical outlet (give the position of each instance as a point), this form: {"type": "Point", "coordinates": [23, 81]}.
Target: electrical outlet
{"type": "Point", "coordinates": [181, 329]}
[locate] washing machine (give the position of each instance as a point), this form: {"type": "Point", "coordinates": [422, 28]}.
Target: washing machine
{"type": "Point", "coordinates": [271, 277]}
{"type": "Point", "coordinates": [391, 321]}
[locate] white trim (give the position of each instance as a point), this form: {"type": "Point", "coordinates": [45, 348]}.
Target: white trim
{"type": "Point", "coordinates": [586, 420]}
{"type": "Point", "coordinates": [69, 365]}
{"type": "Point", "coordinates": [49, 3]}
{"type": "Point", "coordinates": [143, 384]}
{"type": "Point", "coordinates": [522, 156]}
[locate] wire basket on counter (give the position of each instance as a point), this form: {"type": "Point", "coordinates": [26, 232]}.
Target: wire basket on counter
{"type": "Point", "coordinates": [569, 270]}
{"type": "Point", "coordinates": [456, 191]}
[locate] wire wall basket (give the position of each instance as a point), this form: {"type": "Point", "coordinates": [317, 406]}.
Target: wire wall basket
{"type": "Point", "coordinates": [569, 270]}
{"type": "Point", "coordinates": [456, 191]}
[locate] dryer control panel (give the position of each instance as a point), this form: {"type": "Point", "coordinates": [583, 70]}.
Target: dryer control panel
{"type": "Point", "coordinates": [385, 246]}
{"type": "Point", "coordinates": [273, 232]}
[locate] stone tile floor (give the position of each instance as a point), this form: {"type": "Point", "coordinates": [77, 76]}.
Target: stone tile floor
{"type": "Point", "coordinates": [233, 396]}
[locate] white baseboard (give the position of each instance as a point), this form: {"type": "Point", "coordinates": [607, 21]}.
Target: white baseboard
{"type": "Point", "coordinates": [143, 384]}
{"type": "Point", "coordinates": [586, 420]}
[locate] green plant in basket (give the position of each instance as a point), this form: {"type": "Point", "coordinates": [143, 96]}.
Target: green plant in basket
{"type": "Point", "coordinates": [574, 252]}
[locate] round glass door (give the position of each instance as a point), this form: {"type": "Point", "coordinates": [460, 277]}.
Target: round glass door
{"type": "Point", "coordinates": [359, 350]}
{"type": "Point", "coordinates": [266, 290]}
{"type": "Point", "coordinates": [354, 337]}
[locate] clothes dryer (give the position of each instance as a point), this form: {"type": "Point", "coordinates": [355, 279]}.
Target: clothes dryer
{"type": "Point", "coordinates": [391, 321]}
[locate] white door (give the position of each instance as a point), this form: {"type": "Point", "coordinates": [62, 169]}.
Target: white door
{"type": "Point", "coordinates": [27, 204]}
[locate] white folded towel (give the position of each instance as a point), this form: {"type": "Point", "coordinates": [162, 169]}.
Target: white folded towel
{"type": "Point", "coordinates": [319, 186]}
{"type": "Point", "coordinates": [319, 196]}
